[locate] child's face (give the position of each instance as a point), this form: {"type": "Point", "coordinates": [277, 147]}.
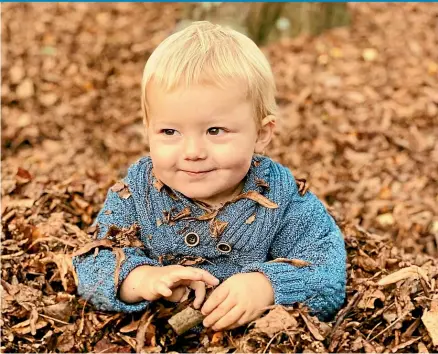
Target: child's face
{"type": "Point", "coordinates": [202, 140]}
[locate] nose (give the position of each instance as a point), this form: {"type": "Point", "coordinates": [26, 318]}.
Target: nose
{"type": "Point", "coordinates": [194, 149]}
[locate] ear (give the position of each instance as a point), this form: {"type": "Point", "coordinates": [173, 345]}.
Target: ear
{"type": "Point", "coordinates": [265, 133]}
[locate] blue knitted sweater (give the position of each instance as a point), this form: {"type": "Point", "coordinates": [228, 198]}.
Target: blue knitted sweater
{"type": "Point", "coordinates": [244, 236]}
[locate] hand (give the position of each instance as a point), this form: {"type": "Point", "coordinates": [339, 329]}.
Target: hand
{"type": "Point", "coordinates": [181, 293]}
{"type": "Point", "coordinates": [237, 301]}
{"type": "Point", "coordinates": [151, 283]}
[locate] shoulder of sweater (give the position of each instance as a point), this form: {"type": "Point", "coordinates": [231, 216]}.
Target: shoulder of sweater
{"type": "Point", "coordinates": [282, 177]}
{"type": "Point", "coordinates": [138, 172]}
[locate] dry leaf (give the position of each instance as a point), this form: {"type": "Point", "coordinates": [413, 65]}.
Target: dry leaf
{"type": "Point", "coordinates": [130, 327]}
{"type": "Point", "coordinates": [368, 299]}
{"type": "Point", "coordinates": [257, 197]}
{"type": "Point", "coordinates": [23, 176]}
{"type": "Point", "coordinates": [217, 227]}
{"type": "Point", "coordinates": [302, 186]}
{"type": "Point", "coordinates": [121, 189]}
{"type": "Point", "coordinates": [120, 258]}
{"type": "Point", "coordinates": [405, 273]}
{"type": "Point", "coordinates": [430, 321]}
{"type": "Point", "coordinates": [191, 260]}
{"type": "Point", "coordinates": [261, 183]}
{"type": "Point", "coordinates": [158, 185]}
{"type": "Point", "coordinates": [61, 311]}
{"type": "Point", "coordinates": [251, 219]}
{"type": "Point", "coordinates": [94, 244]}
{"type": "Point", "coordinates": [299, 263]}
{"type": "Point", "coordinates": [277, 320]}
{"type": "Point", "coordinates": [312, 328]}
{"type": "Point", "coordinates": [208, 215]}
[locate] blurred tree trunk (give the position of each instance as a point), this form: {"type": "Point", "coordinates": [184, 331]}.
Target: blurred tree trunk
{"type": "Point", "coordinates": [265, 22]}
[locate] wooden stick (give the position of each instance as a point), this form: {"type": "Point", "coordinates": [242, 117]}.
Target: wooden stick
{"type": "Point", "coordinates": [186, 319]}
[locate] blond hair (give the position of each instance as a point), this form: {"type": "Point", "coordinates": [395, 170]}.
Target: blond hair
{"type": "Point", "coordinates": [204, 53]}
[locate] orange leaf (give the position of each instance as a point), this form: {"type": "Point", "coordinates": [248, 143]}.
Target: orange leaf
{"type": "Point", "coordinates": [217, 227]}
{"type": "Point", "coordinates": [251, 219]}
{"type": "Point", "coordinates": [120, 258]}
{"type": "Point", "coordinates": [299, 263]}
{"type": "Point", "coordinates": [257, 197]}
{"type": "Point", "coordinates": [88, 247]}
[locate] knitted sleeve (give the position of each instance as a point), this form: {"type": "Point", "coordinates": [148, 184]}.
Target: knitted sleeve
{"type": "Point", "coordinates": [96, 273]}
{"type": "Point", "coordinates": [307, 233]}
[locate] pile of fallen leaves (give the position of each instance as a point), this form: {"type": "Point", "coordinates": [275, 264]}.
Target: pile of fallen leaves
{"type": "Point", "coordinates": [360, 124]}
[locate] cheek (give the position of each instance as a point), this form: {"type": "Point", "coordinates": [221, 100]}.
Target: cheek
{"type": "Point", "coordinates": [161, 155]}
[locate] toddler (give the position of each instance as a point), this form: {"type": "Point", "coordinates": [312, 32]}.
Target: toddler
{"type": "Point", "coordinates": [208, 207]}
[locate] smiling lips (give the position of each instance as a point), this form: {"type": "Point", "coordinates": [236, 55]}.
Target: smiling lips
{"type": "Point", "coordinates": [197, 173]}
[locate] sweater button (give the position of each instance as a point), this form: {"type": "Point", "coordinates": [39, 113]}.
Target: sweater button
{"type": "Point", "coordinates": [223, 247]}
{"type": "Point", "coordinates": [191, 239]}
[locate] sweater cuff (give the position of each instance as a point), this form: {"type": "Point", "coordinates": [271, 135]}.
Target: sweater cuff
{"type": "Point", "coordinates": [96, 282]}
{"type": "Point", "coordinates": [288, 283]}
{"type": "Point", "coordinates": [127, 267]}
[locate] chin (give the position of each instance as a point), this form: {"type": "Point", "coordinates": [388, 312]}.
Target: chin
{"type": "Point", "coordinates": [196, 194]}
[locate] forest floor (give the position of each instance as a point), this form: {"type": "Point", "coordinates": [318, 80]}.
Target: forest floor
{"type": "Point", "coordinates": [359, 121]}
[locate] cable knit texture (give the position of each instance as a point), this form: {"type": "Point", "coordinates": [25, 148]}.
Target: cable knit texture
{"type": "Point", "coordinates": [300, 228]}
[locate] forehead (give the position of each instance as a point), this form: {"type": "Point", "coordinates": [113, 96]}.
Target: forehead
{"type": "Point", "coordinates": [198, 101]}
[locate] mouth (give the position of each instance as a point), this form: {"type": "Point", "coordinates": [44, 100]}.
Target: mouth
{"type": "Point", "coordinates": [197, 173]}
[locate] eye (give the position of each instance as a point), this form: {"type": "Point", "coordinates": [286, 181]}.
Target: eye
{"type": "Point", "coordinates": [215, 131]}
{"type": "Point", "coordinates": [169, 132]}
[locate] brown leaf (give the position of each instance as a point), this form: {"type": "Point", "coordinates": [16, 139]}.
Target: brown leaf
{"type": "Point", "coordinates": [88, 247]}
{"type": "Point", "coordinates": [302, 186]}
{"type": "Point", "coordinates": [365, 262]}
{"type": "Point", "coordinates": [130, 327]}
{"type": "Point", "coordinates": [430, 321]}
{"type": "Point", "coordinates": [257, 197]}
{"type": "Point", "coordinates": [261, 183]}
{"type": "Point", "coordinates": [405, 273]}
{"type": "Point", "coordinates": [125, 237]}
{"type": "Point", "coordinates": [121, 189]}
{"type": "Point", "coordinates": [23, 176]}
{"type": "Point", "coordinates": [108, 212]}
{"type": "Point", "coordinates": [299, 263]}
{"type": "Point", "coordinates": [118, 186]}
{"type": "Point", "coordinates": [181, 215]}
{"type": "Point", "coordinates": [33, 320]}
{"type": "Point", "coordinates": [105, 346]}
{"type": "Point", "coordinates": [251, 219]}
{"type": "Point", "coordinates": [191, 260]}
{"type": "Point", "coordinates": [217, 227]}
{"type": "Point", "coordinates": [369, 298]}
{"type": "Point", "coordinates": [145, 322]}
{"type": "Point", "coordinates": [61, 311]}
{"type": "Point", "coordinates": [120, 258]}
{"type": "Point", "coordinates": [208, 215]}
{"type": "Point", "coordinates": [66, 341]}
{"type": "Point", "coordinates": [158, 185]}
{"type": "Point", "coordinates": [312, 328]}
{"type": "Point", "coordinates": [277, 320]}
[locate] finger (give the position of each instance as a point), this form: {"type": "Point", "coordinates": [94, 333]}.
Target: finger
{"type": "Point", "coordinates": [200, 292]}
{"type": "Point", "coordinates": [162, 289]}
{"type": "Point", "coordinates": [193, 274]}
{"type": "Point", "coordinates": [219, 312]}
{"type": "Point", "coordinates": [177, 294]}
{"type": "Point", "coordinates": [230, 319]}
{"type": "Point", "coordinates": [246, 318]}
{"type": "Point", "coordinates": [215, 299]}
